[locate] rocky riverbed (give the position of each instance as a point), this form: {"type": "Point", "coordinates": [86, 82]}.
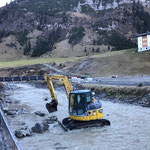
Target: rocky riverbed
{"type": "Point", "coordinates": [129, 123]}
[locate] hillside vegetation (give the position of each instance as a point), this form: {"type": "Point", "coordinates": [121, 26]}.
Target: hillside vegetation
{"type": "Point", "coordinates": [85, 26]}
{"type": "Point", "coordinates": [18, 63]}
{"type": "Point", "coordinates": [120, 63]}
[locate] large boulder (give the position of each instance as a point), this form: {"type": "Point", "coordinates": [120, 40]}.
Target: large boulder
{"type": "Point", "coordinates": [40, 127]}
{"type": "Point", "coordinates": [20, 133]}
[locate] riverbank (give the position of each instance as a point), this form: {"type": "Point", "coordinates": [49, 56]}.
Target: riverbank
{"type": "Point", "coordinates": [130, 95]}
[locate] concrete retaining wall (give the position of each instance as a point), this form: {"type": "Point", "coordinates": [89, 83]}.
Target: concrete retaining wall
{"type": "Point", "coordinates": [7, 140]}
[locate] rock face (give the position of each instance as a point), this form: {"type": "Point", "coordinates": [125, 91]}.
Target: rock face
{"type": "Point", "coordinates": [107, 4]}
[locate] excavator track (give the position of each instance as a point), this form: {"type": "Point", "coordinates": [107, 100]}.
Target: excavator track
{"type": "Point", "coordinates": [70, 124]}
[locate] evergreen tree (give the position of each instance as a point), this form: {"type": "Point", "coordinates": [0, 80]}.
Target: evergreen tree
{"type": "Point", "coordinates": [27, 48]}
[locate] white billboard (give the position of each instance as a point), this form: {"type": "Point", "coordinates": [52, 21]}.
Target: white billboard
{"type": "Point", "coordinates": [143, 43]}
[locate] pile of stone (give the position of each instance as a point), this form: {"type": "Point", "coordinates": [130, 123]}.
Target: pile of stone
{"type": "Point", "coordinates": [37, 128]}
{"type": "Point", "coordinates": [14, 111]}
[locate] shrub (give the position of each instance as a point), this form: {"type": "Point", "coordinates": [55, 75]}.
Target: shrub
{"type": "Point", "coordinates": [141, 17]}
{"type": "Point", "coordinates": [42, 46]}
{"type": "Point", "coordinates": [115, 39]}
{"type": "Point", "coordinates": [27, 48]}
{"type": "Point", "coordinates": [47, 44]}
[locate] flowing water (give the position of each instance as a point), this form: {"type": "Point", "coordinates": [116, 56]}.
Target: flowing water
{"type": "Point", "coordinates": [129, 130]}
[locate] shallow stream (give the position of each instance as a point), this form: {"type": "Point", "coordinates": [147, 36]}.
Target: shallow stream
{"type": "Point", "coordinates": [129, 130]}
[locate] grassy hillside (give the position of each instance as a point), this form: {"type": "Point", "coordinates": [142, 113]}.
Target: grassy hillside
{"type": "Point", "coordinates": [120, 63]}
{"type": "Point", "coordinates": [33, 28]}
{"type": "Point", "coordinates": [28, 62]}
{"type": "Point", "coordinates": [126, 63]}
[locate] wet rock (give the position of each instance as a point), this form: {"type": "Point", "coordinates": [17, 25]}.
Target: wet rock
{"type": "Point", "coordinates": [29, 133]}
{"type": "Point", "coordinates": [23, 132]}
{"type": "Point", "coordinates": [46, 99]}
{"type": "Point", "coordinates": [48, 121]}
{"type": "Point", "coordinates": [148, 97]}
{"type": "Point", "coordinates": [51, 120]}
{"type": "Point", "coordinates": [5, 109]}
{"type": "Point", "coordinates": [59, 146]}
{"type": "Point", "coordinates": [16, 102]}
{"type": "Point", "coordinates": [24, 128]}
{"type": "Point", "coordinates": [40, 127]}
{"type": "Point", "coordinates": [41, 114]}
{"type": "Point", "coordinates": [15, 109]}
{"type": "Point", "coordinates": [23, 111]}
{"type": "Point", "coordinates": [12, 112]}
{"type": "Point", "coordinates": [140, 85]}
{"type": "Point", "coordinates": [145, 102]}
{"type": "Point", "coordinates": [8, 101]}
{"type": "Point", "coordinates": [21, 123]}
{"type": "Point", "coordinates": [12, 116]}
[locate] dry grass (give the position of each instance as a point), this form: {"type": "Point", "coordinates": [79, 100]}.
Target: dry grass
{"type": "Point", "coordinates": [118, 90]}
{"type": "Point", "coordinates": [28, 62]}
{"type": "Point", "coordinates": [120, 63]}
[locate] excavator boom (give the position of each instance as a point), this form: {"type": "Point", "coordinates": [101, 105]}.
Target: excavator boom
{"type": "Point", "coordinates": [52, 106]}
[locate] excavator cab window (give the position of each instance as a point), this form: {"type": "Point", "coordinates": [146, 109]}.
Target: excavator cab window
{"type": "Point", "coordinates": [78, 102]}
{"type": "Point", "coordinates": [71, 103]}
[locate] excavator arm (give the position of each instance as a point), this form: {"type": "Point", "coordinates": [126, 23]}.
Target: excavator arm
{"type": "Point", "coordinates": [52, 106]}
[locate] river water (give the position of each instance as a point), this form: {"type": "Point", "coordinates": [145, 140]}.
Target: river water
{"type": "Point", "coordinates": [129, 130]}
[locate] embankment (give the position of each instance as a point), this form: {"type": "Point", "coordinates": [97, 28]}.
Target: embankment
{"type": "Point", "coordinates": [131, 95]}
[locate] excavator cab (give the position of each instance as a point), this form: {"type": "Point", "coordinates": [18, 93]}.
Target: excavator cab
{"type": "Point", "coordinates": [82, 106]}
{"type": "Point", "coordinates": [78, 102]}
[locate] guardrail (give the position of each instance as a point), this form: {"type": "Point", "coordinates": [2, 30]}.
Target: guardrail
{"type": "Point", "coordinates": [21, 78]}
{"type": "Point", "coordinates": [9, 141]}
{"type": "Point", "coordinates": [32, 78]}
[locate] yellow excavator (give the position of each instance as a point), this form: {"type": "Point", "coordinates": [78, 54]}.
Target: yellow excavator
{"type": "Point", "coordinates": [83, 110]}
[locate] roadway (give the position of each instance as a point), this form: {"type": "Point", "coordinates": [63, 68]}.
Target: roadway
{"type": "Point", "coordinates": [123, 81]}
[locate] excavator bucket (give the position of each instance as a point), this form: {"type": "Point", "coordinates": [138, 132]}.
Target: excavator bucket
{"type": "Point", "coordinates": [52, 106]}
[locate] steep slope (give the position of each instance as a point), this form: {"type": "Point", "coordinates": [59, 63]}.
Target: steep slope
{"type": "Point", "coordinates": [63, 28]}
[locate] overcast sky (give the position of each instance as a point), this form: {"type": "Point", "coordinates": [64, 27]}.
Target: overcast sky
{"type": "Point", "coordinates": [3, 2]}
